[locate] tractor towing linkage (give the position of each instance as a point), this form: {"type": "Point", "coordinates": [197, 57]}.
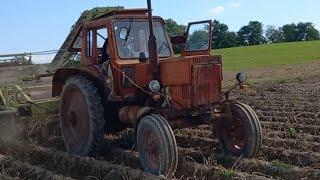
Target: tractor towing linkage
{"type": "Point", "coordinates": [128, 76]}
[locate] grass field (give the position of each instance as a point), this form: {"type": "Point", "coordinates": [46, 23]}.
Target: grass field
{"type": "Point", "coordinates": [250, 57]}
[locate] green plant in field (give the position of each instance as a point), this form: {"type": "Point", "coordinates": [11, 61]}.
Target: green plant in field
{"type": "Point", "coordinates": [210, 161]}
{"type": "Point", "coordinates": [295, 97]}
{"type": "Point", "coordinates": [300, 79]}
{"type": "Point", "coordinates": [280, 166]}
{"type": "Point", "coordinates": [225, 159]}
{"type": "Point", "coordinates": [292, 131]}
{"type": "Point", "coordinates": [228, 173]}
{"type": "Point", "coordinates": [125, 175]}
{"type": "Point", "coordinates": [298, 144]}
{"type": "Point", "coordinates": [281, 81]}
{"type": "Point", "coordinates": [178, 133]}
{"type": "Point", "coordinates": [25, 78]}
{"type": "Point", "coordinates": [258, 89]}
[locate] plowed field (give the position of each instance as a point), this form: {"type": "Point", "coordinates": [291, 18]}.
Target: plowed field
{"type": "Point", "coordinates": [289, 113]}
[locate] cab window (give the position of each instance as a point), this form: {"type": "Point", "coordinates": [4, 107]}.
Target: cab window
{"type": "Point", "coordinates": [102, 35]}
{"type": "Point", "coordinates": [198, 37]}
{"type": "Point", "coordinates": [97, 44]}
{"type": "Point", "coordinates": [132, 38]}
{"type": "Point", "coordinates": [90, 43]}
{"type": "Point", "coordinates": [102, 44]}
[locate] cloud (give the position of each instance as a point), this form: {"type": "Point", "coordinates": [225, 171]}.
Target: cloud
{"type": "Point", "coordinates": [217, 10]}
{"type": "Point", "coordinates": [235, 5]}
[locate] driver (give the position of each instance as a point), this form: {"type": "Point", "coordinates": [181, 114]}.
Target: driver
{"type": "Point", "coordinates": [127, 42]}
{"type": "Point", "coordinates": [104, 52]}
{"type": "Point", "coordinates": [123, 48]}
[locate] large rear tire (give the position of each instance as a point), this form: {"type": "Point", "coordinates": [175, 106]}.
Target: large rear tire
{"type": "Point", "coordinates": [240, 134]}
{"type": "Point", "coordinates": [157, 145]}
{"type": "Point", "coordinates": [81, 117]}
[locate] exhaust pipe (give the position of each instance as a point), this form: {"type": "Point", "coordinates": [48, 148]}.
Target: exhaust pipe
{"type": "Point", "coordinates": [152, 45]}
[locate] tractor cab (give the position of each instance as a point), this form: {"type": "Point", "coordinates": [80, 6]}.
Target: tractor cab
{"type": "Point", "coordinates": [118, 43]}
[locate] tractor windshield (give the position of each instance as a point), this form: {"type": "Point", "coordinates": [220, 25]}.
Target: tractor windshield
{"type": "Point", "coordinates": [132, 38]}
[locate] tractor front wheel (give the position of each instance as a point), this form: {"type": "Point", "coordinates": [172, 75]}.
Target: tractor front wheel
{"type": "Point", "coordinates": [157, 145]}
{"type": "Point", "coordinates": [239, 131]}
{"type": "Point", "coordinates": [81, 116]}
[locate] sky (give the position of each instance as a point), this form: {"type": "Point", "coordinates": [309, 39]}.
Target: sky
{"type": "Point", "coordinates": [37, 25]}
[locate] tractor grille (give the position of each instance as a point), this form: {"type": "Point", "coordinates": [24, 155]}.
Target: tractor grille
{"type": "Point", "coordinates": [206, 81]}
{"type": "Point", "coordinates": [203, 60]}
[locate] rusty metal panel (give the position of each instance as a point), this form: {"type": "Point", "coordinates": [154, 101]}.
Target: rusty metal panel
{"type": "Point", "coordinates": [175, 72]}
{"type": "Point", "coordinates": [206, 84]}
{"type": "Point", "coordinates": [130, 114]}
{"type": "Point", "coordinates": [182, 96]}
{"type": "Point", "coordinates": [143, 74]}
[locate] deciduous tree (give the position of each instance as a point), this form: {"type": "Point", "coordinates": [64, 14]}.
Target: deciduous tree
{"type": "Point", "coordinates": [273, 34]}
{"type": "Point", "coordinates": [251, 34]}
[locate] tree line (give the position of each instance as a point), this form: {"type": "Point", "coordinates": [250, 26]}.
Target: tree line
{"type": "Point", "coordinates": [252, 34]}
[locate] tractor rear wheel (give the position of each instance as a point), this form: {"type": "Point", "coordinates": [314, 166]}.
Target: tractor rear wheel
{"type": "Point", "coordinates": [240, 134]}
{"type": "Point", "coordinates": [81, 116]}
{"type": "Point", "coordinates": [157, 145]}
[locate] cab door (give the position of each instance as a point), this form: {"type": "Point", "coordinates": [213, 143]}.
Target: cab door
{"type": "Point", "coordinates": [95, 43]}
{"type": "Point", "coordinates": [198, 39]}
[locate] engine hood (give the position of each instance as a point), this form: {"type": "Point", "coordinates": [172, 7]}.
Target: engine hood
{"type": "Point", "coordinates": [193, 81]}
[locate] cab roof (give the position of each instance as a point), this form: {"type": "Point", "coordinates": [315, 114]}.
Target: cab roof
{"type": "Point", "coordinates": [103, 12]}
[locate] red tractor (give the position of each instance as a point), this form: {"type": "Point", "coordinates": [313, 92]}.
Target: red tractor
{"type": "Point", "coordinates": [129, 76]}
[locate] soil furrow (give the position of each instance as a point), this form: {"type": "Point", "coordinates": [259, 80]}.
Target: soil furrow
{"type": "Point", "coordinates": [292, 144]}
{"type": "Point", "coordinates": [73, 166]}
{"type": "Point", "coordinates": [6, 177]}
{"type": "Point", "coordinates": [274, 168]}
{"type": "Point", "coordinates": [287, 127]}
{"type": "Point", "coordinates": [293, 157]}
{"type": "Point", "coordinates": [26, 171]}
{"type": "Point", "coordinates": [302, 121]}
{"type": "Point", "coordinates": [291, 135]}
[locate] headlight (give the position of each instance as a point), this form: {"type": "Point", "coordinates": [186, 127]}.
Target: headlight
{"type": "Point", "coordinates": [241, 77]}
{"type": "Point", "coordinates": [154, 86]}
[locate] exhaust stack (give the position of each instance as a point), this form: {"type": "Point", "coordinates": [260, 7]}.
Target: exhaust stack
{"type": "Point", "coordinates": [152, 45]}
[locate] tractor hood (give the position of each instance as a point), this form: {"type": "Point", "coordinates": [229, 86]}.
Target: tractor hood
{"type": "Point", "coordinates": [193, 81]}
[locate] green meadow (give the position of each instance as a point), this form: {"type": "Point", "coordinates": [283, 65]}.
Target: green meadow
{"type": "Point", "coordinates": [269, 55]}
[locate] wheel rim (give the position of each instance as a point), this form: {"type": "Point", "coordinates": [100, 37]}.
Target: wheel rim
{"type": "Point", "coordinates": [150, 145]}
{"type": "Point", "coordinates": [233, 133]}
{"type": "Point", "coordinates": [75, 120]}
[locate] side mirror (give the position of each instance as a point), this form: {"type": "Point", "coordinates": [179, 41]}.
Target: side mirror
{"type": "Point", "coordinates": [178, 40]}
{"type": "Point", "coordinates": [123, 33]}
